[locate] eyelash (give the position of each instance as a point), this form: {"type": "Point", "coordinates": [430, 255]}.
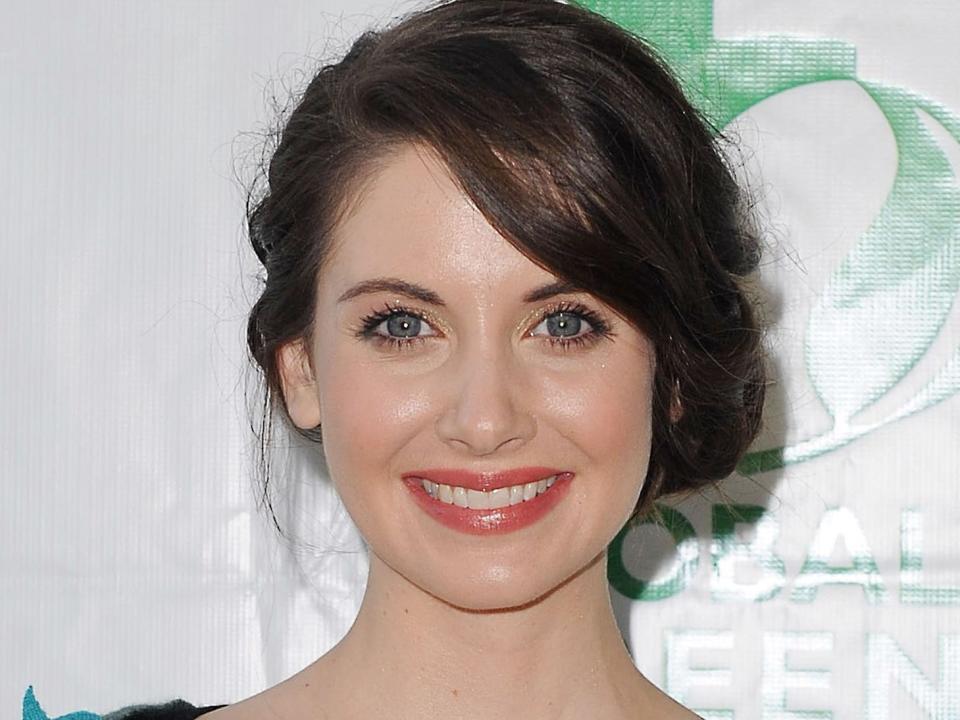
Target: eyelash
{"type": "Point", "coordinates": [600, 328]}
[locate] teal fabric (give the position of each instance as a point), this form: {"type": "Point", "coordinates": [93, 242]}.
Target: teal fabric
{"type": "Point", "coordinates": [177, 709]}
{"type": "Point", "coordinates": [33, 711]}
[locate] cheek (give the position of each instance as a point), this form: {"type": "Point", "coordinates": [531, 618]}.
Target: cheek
{"type": "Point", "coordinates": [622, 435]}
{"type": "Point", "coordinates": [607, 413]}
{"type": "Point", "coordinates": [364, 403]}
{"type": "Point", "coordinates": [366, 414]}
{"type": "Point", "coordinates": [370, 413]}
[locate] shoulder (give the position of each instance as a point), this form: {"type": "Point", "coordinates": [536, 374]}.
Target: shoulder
{"type": "Point", "coordinates": [173, 710]}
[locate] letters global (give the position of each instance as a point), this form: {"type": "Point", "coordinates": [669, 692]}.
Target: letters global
{"type": "Point", "coordinates": [714, 660]}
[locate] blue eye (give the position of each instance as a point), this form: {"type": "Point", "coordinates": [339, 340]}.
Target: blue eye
{"type": "Point", "coordinates": [568, 325]}
{"type": "Point", "coordinates": [401, 327]}
{"type": "Point", "coordinates": [564, 324]}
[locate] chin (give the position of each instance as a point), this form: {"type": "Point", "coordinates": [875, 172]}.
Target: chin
{"type": "Point", "coordinates": [501, 589]}
{"type": "Point", "coordinates": [492, 599]}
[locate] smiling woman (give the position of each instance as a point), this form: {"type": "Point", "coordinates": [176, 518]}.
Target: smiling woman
{"type": "Point", "coordinates": [503, 293]}
{"type": "Point", "coordinates": [462, 411]}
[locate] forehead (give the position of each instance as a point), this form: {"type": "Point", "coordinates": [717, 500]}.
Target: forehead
{"type": "Point", "coordinates": [412, 217]}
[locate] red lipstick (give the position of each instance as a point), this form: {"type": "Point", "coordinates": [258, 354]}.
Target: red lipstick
{"type": "Point", "coordinates": [492, 520]}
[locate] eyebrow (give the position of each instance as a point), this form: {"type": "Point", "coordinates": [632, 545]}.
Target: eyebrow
{"type": "Point", "coordinates": [418, 292]}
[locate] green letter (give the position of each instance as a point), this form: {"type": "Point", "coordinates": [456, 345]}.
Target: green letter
{"type": "Point", "coordinates": [680, 573]}
{"type": "Point", "coordinates": [728, 552]}
{"type": "Point", "coordinates": [835, 525]}
{"type": "Point", "coordinates": [912, 589]}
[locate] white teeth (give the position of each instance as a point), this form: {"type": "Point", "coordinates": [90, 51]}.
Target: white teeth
{"type": "Point", "coordinates": [478, 500]}
{"type": "Point", "coordinates": [446, 493]}
{"type": "Point", "coordinates": [499, 497]}
{"type": "Point", "coordinates": [481, 500]}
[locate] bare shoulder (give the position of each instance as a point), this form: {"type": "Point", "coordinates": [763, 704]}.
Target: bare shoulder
{"type": "Point", "coordinates": [248, 709]}
{"type": "Point", "coordinates": [257, 709]}
{"type": "Point", "coordinates": [685, 714]}
{"type": "Point", "coordinates": [672, 710]}
{"type": "Point", "coordinates": [669, 709]}
{"type": "Point", "coordinates": [267, 705]}
{"type": "Point", "coordinates": [291, 699]}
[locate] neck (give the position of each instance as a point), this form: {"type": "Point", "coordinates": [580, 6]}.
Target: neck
{"type": "Point", "coordinates": [417, 656]}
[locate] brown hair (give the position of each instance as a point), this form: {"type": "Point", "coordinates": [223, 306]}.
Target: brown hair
{"type": "Point", "coordinates": [578, 146]}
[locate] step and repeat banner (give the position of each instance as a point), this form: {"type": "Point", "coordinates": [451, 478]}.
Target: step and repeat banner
{"type": "Point", "coordinates": [824, 579]}
{"type": "Point", "coordinates": [820, 581]}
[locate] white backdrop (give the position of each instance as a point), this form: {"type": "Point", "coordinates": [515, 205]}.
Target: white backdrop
{"type": "Point", "coordinates": [134, 566]}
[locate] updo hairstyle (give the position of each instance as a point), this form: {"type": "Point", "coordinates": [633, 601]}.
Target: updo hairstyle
{"type": "Point", "coordinates": [576, 143]}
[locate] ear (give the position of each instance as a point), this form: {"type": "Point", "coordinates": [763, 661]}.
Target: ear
{"type": "Point", "coordinates": [299, 384]}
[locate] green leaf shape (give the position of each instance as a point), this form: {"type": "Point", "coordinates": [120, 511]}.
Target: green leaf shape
{"type": "Point", "coordinates": [723, 78]}
{"type": "Point", "coordinates": [887, 301]}
{"type": "Point", "coordinates": [944, 384]}
{"type": "Point", "coordinates": [33, 711]}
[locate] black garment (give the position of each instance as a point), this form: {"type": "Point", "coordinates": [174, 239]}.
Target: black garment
{"type": "Point", "coordinates": [178, 709]}
{"type": "Point", "coordinates": [173, 710]}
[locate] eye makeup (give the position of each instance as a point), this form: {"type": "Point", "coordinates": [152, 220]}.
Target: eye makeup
{"type": "Point", "coordinates": [369, 324]}
{"type": "Point", "coordinates": [598, 327]}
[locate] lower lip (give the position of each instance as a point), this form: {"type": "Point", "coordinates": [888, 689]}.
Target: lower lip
{"type": "Point", "coordinates": [493, 521]}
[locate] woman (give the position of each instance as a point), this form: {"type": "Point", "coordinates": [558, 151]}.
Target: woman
{"type": "Point", "coordinates": [503, 291]}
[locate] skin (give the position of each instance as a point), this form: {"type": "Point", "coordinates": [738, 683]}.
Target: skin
{"type": "Point", "coordinates": [455, 625]}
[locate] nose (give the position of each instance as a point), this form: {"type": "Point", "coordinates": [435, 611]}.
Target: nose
{"type": "Point", "coordinates": [487, 404]}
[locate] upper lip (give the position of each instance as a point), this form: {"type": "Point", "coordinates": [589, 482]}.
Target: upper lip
{"type": "Point", "coordinates": [484, 480]}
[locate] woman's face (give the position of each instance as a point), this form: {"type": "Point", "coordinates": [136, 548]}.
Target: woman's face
{"type": "Point", "coordinates": [476, 379]}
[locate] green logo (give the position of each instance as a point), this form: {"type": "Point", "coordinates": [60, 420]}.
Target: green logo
{"type": "Point", "coordinates": [889, 298]}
